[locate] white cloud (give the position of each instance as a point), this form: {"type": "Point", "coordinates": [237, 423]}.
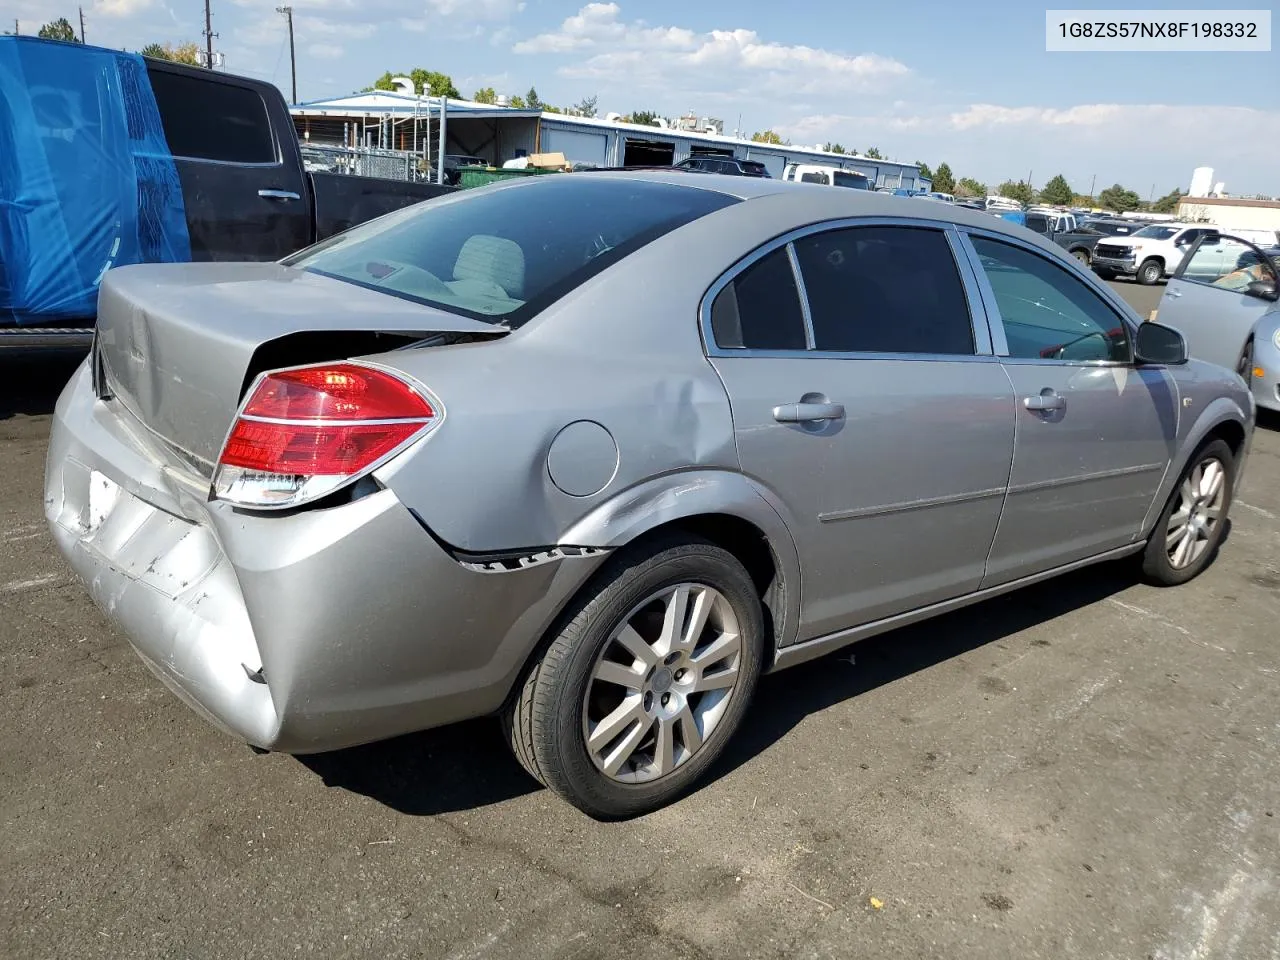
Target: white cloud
{"type": "Point", "coordinates": [119, 8]}
{"type": "Point", "coordinates": [640, 56]}
{"type": "Point", "coordinates": [325, 51]}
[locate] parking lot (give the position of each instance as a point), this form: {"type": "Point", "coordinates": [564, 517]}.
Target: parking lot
{"type": "Point", "coordinates": [1087, 768]}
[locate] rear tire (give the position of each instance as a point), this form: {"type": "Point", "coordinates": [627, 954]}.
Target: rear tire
{"type": "Point", "coordinates": [1082, 255]}
{"type": "Point", "coordinates": [1187, 534]}
{"type": "Point", "coordinates": [1150, 272]}
{"type": "Point", "coordinates": [633, 701]}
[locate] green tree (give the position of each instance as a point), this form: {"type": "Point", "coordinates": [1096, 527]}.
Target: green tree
{"type": "Point", "coordinates": [427, 82]}
{"type": "Point", "coordinates": [1169, 202]}
{"type": "Point", "coordinates": [532, 100]}
{"type": "Point", "coordinates": [187, 53]}
{"type": "Point", "coordinates": [586, 107]}
{"type": "Point", "coordinates": [969, 187]}
{"type": "Point", "coordinates": [874, 153]}
{"type": "Point", "coordinates": [1057, 191]}
{"type": "Point", "coordinates": [549, 108]}
{"type": "Point", "coordinates": [485, 95]}
{"type": "Point", "coordinates": [643, 117]}
{"type": "Point", "coordinates": [944, 180]}
{"type": "Point", "coordinates": [1018, 190]}
{"type": "Point", "coordinates": [1117, 198]}
{"type": "Point", "coordinates": [59, 29]}
{"type": "Point", "coordinates": [518, 102]}
{"type": "Point", "coordinates": [925, 171]}
{"type": "Point", "coordinates": [835, 148]}
{"type": "Point", "coordinates": [766, 136]}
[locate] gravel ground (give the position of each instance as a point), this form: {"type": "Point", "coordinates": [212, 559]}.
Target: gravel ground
{"type": "Point", "coordinates": [1087, 768]}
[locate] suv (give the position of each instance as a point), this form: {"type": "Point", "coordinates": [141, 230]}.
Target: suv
{"type": "Point", "coordinates": [730, 165]}
{"type": "Point", "coordinates": [1150, 254]}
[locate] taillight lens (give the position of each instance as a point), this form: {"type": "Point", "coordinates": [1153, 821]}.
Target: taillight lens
{"type": "Point", "coordinates": [304, 433]}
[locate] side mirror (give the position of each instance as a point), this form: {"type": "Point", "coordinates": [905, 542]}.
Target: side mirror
{"type": "Point", "coordinates": [1158, 344]}
{"type": "Point", "coordinates": [1263, 290]}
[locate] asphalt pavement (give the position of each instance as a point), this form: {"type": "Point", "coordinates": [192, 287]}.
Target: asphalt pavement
{"type": "Point", "coordinates": [1088, 768]}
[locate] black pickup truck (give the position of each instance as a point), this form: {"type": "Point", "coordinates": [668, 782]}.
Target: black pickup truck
{"type": "Point", "coordinates": [245, 194]}
{"type": "Point", "coordinates": [1081, 241]}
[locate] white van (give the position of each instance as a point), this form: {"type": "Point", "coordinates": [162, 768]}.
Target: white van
{"type": "Point", "coordinates": [831, 176]}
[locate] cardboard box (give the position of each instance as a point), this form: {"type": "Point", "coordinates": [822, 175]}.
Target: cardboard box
{"type": "Point", "coordinates": [548, 161]}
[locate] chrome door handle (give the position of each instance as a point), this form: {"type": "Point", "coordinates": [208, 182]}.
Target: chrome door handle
{"type": "Point", "coordinates": [1173, 294]}
{"type": "Point", "coordinates": [1045, 401]}
{"type": "Point", "coordinates": [279, 195]}
{"type": "Point", "coordinates": [808, 412]}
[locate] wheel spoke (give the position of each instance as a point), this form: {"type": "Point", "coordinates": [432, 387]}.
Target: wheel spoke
{"type": "Point", "coordinates": [630, 711]}
{"type": "Point", "coordinates": [1183, 553]}
{"type": "Point", "coordinates": [664, 751]}
{"type": "Point", "coordinates": [673, 619]}
{"type": "Point", "coordinates": [627, 746]}
{"type": "Point", "coordinates": [690, 735]}
{"type": "Point", "coordinates": [702, 605]}
{"type": "Point", "coordinates": [1212, 481]}
{"type": "Point", "coordinates": [719, 648]}
{"type": "Point", "coordinates": [1179, 520]}
{"type": "Point", "coordinates": [1213, 513]}
{"type": "Point", "coordinates": [616, 673]}
{"type": "Point", "coordinates": [1176, 537]}
{"type": "Point", "coordinates": [635, 645]}
{"type": "Point", "coordinates": [719, 680]}
{"type": "Point", "coordinates": [1188, 493]}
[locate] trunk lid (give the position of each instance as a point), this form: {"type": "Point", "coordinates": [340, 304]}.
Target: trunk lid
{"type": "Point", "coordinates": [177, 343]}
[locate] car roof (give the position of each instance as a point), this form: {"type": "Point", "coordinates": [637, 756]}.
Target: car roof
{"type": "Point", "coordinates": [826, 202]}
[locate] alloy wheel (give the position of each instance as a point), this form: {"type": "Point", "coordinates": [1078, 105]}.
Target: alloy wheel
{"type": "Point", "coordinates": [1195, 518]}
{"type": "Point", "coordinates": [662, 683]}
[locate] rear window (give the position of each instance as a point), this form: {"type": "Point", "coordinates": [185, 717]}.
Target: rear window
{"type": "Point", "coordinates": [505, 253]}
{"type": "Point", "coordinates": [207, 120]}
{"type": "Point", "coordinates": [851, 180]}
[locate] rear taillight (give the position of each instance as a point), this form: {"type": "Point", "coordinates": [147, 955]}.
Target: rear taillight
{"type": "Point", "coordinates": [304, 433]}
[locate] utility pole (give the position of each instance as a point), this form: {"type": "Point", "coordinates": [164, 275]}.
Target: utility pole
{"type": "Point", "coordinates": [82, 24]}
{"type": "Point", "coordinates": [208, 35]}
{"type": "Point", "coordinates": [293, 62]}
{"type": "Point", "coordinates": [15, 26]}
{"type": "Point", "coordinates": [1092, 183]}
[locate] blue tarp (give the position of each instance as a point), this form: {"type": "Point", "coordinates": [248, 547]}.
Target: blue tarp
{"type": "Point", "coordinates": [86, 178]}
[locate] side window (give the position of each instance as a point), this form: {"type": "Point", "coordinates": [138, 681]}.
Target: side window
{"type": "Point", "coordinates": [814, 177]}
{"type": "Point", "coordinates": [885, 290]}
{"type": "Point", "coordinates": [1227, 263]}
{"type": "Point", "coordinates": [208, 120]}
{"type": "Point", "coordinates": [760, 309]}
{"type": "Point", "coordinates": [1047, 313]}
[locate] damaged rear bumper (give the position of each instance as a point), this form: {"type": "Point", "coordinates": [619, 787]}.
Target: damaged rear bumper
{"type": "Point", "coordinates": [300, 633]}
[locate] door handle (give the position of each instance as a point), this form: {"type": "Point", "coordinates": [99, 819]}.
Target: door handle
{"type": "Point", "coordinates": [1173, 294]}
{"type": "Point", "coordinates": [805, 412]}
{"type": "Point", "coordinates": [279, 195]}
{"type": "Point", "coordinates": [1045, 401]}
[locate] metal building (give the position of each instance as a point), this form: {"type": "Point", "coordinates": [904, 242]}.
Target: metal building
{"type": "Point", "coordinates": [497, 134]}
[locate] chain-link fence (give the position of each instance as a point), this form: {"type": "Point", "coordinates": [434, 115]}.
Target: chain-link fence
{"type": "Point", "coordinates": [364, 162]}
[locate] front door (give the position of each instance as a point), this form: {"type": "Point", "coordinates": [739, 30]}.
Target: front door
{"type": "Point", "coordinates": [860, 399]}
{"type": "Point", "coordinates": [1210, 303]}
{"type": "Point", "coordinates": [1095, 432]}
{"type": "Point", "coordinates": [246, 195]}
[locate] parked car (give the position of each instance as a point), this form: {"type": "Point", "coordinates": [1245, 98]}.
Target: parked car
{"type": "Point", "coordinates": [828, 175]}
{"type": "Point", "coordinates": [339, 517]}
{"type": "Point", "coordinates": [188, 164]}
{"type": "Point", "coordinates": [1223, 299]}
{"type": "Point", "coordinates": [1149, 253]}
{"type": "Point", "coordinates": [733, 166]}
{"type": "Point", "coordinates": [1081, 241]}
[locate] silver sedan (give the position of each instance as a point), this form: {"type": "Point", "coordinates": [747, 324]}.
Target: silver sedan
{"type": "Point", "coordinates": [1224, 299]}
{"type": "Point", "coordinates": [591, 452]}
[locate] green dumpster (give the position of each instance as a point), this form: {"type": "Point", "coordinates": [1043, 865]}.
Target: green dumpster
{"type": "Point", "coordinates": [479, 176]}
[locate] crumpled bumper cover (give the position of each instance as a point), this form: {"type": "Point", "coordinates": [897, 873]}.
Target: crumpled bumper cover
{"type": "Point", "coordinates": [302, 633]}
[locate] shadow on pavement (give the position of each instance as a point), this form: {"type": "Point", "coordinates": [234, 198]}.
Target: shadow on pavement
{"type": "Point", "coordinates": [31, 380]}
{"type": "Point", "coordinates": [468, 765]}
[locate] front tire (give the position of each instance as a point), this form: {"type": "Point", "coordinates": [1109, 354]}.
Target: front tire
{"type": "Point", "coordinates": [1245, 366]}
{"type": "Point", "coordinates": [638, 693]}
{"type": "Point", "coordinates": [1150, 272]}
{"type": "Point", "coordinates": [1187, 535]}
{"type": "Point", "coordinates": [1082, 255]}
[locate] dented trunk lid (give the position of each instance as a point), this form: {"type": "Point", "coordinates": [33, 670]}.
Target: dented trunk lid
{"type": "Point", "coordinates": [176, 343]}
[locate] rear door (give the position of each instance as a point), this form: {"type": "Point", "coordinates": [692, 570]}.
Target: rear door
{"type": "Point", "coordinates": [244, 188]}
{"type": "Point", "coordinates": [1095, 432]}
{"type": "Point", "coordinates": [866, 398]}
{"type": "Point", "coordinates": [1208, 302]}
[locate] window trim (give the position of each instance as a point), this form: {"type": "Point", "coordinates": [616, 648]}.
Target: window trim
{"type": "Point", "coordinates": [979, 323]}
{"type": "Point", "coordinates": [266, 110]}
{"type": "Point", "coordinates": [995, 321]}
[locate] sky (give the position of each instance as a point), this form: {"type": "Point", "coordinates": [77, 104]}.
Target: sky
{"type": "Point", "coordinates": [925, 81]}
